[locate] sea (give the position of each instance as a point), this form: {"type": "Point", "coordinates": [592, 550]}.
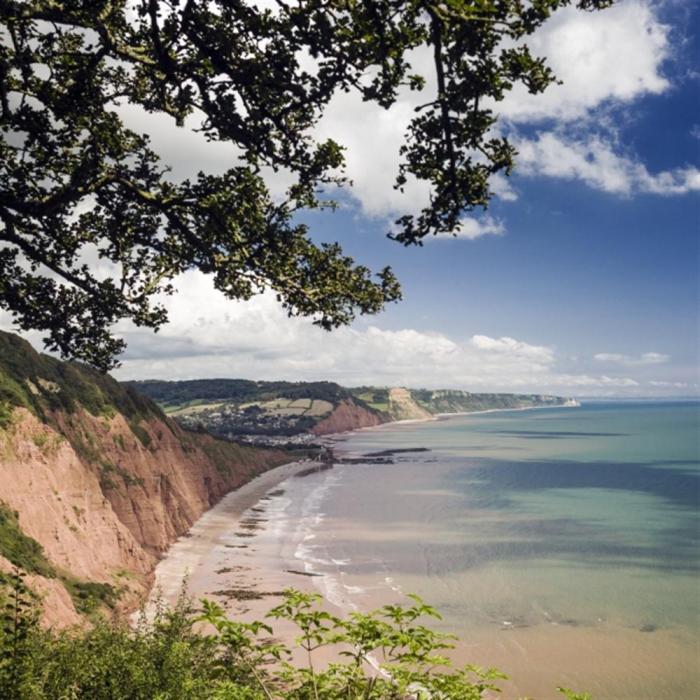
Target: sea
{"type": "Point", "coordinates": [561, 545]}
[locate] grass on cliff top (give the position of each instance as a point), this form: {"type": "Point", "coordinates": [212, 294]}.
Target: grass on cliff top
{"type": "Point", "coordinates": [41, 383]}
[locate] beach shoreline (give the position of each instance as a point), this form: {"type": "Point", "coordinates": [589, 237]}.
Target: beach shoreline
{"type": "Point", "coordinates": [192, 559]}
{"type": "Point", "coordinates": [283, 531]}
{"type": "Point", "coordinates": [182, 569]}
{"type": "Point", "coordinates": [334, 437]}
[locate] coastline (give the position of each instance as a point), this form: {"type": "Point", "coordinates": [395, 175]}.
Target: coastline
{"type": "Point", "coordinates": [246, 570]}
{"type": "Point", "coordinates": [189, 559]}
{"type": "Point", "coordinates": [441, 416]}
{"type": "Point", "coordinates": [184, 564]}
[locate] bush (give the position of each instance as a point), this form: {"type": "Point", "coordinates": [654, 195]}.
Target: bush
{"type": "Point", "coordinates": [18, 548]}
{"type": "Point", "coordinates": [90, 596]}
{"type": "Point", "coordinates": [166, 659]}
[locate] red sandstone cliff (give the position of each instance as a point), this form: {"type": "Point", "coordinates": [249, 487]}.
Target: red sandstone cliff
{"type": "Point", "coordinates": [347, 415]}
{"type": "Point", "coordinates": [103, 491]}
{"type": "Point", "coordinates": [106, 519]}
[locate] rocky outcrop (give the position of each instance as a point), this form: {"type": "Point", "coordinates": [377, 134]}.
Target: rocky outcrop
{"type": "Point", "coordinates": [347, 415]}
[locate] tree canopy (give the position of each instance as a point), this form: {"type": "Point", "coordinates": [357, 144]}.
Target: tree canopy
{"type": "Point", "coordinates": [77, 185]}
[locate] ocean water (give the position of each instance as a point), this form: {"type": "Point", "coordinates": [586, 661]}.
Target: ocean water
{"type": "Point", "coordinates": [561, 545]}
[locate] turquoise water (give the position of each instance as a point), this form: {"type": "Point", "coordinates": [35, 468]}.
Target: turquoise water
{"type": "Point", "coordinates": [562, 544]}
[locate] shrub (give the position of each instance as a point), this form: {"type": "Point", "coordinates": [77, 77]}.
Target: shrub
{"type": "Point", "coordinates": [21, 550]}
{"type": "Point", "coordinates": [141, 433]}
{"type": "Point", "coordinates": [90, 596]}
{"type": "Point", "coordinates": [167, 659]}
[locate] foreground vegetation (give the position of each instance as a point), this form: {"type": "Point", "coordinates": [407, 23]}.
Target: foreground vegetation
{"type": "Point", "coordinates": [386, 655]}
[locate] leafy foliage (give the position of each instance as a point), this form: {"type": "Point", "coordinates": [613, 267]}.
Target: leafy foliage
{"type": "Point", "coordinates": [167, 659]}
{"type": "Point", "coordinates": [19, 619]}
{"type": "Point", "coordinates": [23, 551]}
{"type": "Point", "coordinates": [76, 184]}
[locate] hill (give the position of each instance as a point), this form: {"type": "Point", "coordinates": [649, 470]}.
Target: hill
{"type": "Point", "coordinates": [274, 412]}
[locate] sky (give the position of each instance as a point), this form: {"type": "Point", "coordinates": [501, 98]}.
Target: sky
{"type": "Point", "coordinates": [581, 279]}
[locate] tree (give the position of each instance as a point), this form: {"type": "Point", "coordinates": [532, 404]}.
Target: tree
{"type": "Point", "coordinates": [76, 182]}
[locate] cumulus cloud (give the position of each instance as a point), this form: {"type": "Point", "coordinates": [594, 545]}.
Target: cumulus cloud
{"type": "Point", "coordinates": [647, 358]}
{"type": "Point", "coordinates": [603, 58]}
{"type": "Point", "coordinates": [595, 161]}
{"type": "Point", "coordinates": [209, 336]}
{"type": "Point", "coordinates": [615, 55]}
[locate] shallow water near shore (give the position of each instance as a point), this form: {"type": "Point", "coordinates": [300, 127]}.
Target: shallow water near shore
{"type": "Point", "coordinates": [561, 545]}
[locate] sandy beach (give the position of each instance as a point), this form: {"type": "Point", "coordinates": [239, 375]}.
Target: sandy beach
{"type": "Point", "coordinates": [216, 555]}
{"type": "Point", "coordinates": [234, 553]}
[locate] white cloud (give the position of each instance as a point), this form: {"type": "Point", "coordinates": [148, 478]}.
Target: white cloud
{"type": "Point", "coordinates": [613, 55]}
{"type": "Point", "coordinates": [647, 358]}
{"type": "Point", "coordinates": [209, 336]}
{"type": "Point", "coordinates": [372, 137]}
{"type": "Point", "coordinates": [603, 58]}
{"type": "Point", "coordinates": [510, 346]}
{"type": "Point", "coordinates": [503, 189]}
{"type": "Point", "coordinates": [596, 163]}
{"type": "Point", "coordinates": [471, 228]}
{"type": "Point", "coordinates": [608, 57]}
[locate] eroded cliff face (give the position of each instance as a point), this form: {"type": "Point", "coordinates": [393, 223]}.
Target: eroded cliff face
{"type": "Point", "coordinates": [104, 486]}
{"type": "Point", "coordinates": [403, 406]}
{"type": "Point", "coordinates": [104, 502]}
{"type": "Point", "coordinates": [347, 415]}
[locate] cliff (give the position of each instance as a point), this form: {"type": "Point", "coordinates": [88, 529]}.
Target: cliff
{"type": "Point", "coordinates": [402, 405]}
{"type": "Point", "coordinates": [347, 415]}
{"type": "Point", "coordinates": [95, 482]}
{"type": "Point", "coordinates": [457, 401]}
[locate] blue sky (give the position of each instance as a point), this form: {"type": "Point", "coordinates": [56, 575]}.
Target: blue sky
{"type": "Point", "coordinates": [581, 279]}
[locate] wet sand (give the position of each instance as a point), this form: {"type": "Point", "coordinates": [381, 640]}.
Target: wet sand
{"type": "Point", "coordinates": [216, 559]}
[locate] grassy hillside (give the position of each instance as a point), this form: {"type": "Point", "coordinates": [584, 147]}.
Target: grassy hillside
{"type": "Point", "coordinates": [178, 394]}
{"type": "Point", "coordinates": [240, 408]}
{"type": "Point", "coordinates": [43, 384]}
